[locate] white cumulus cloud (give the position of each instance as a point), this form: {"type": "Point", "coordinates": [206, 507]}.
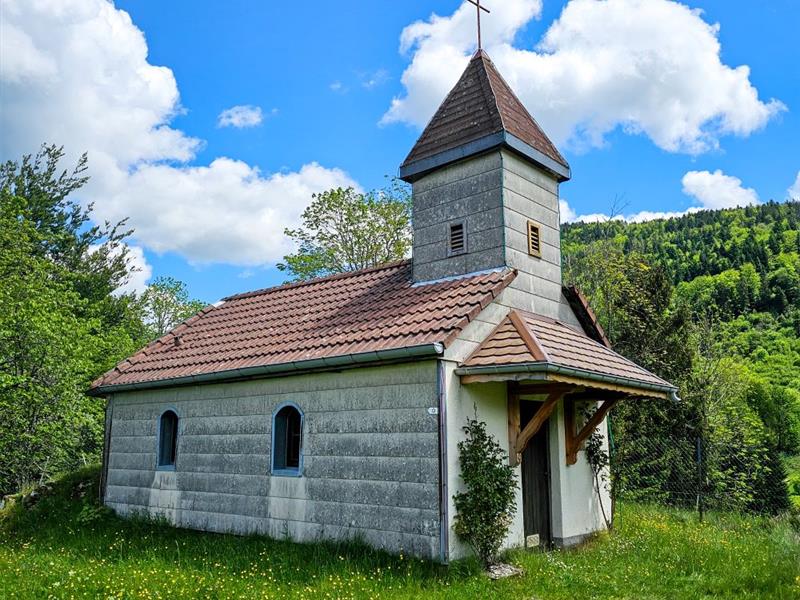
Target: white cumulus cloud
{"type": "Point", "coordinates": [565, 211]}
{"type": "Point", "coordinates": [140, 272]}
{"type": "Point", "coordinates": [717, 190]}
{"type": "Point", "coordinates": [241, 116]}
{"type": "Point", "coordinates": [794, 191]}
{"type": "Point", "coordinates": [227, 210]}
{"type": "Point", "coordinates": [569, 215]}
{"type": "Point", "coordinates": [711, 190]}
{"type": "Point", "coordinates": [651, 67]}
{"type": "Point", "coordinates": [76, 73]}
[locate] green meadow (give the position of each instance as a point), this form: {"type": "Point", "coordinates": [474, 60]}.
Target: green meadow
{"type": "Point", "coordinates": [66, 546]}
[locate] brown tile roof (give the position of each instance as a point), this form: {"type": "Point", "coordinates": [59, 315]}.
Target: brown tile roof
{"type": "Point", "coordinates": [365, 311]}
{"type": "Point", "coordinates": [480, 104]}
{"type": "Point", "coordinates": [585, 315]}
{"type": "Point", "coordinates": [527, 338]}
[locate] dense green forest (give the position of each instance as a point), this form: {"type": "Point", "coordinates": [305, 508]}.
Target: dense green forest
{"type": "Point", "coordinates": [63, 321]}
{"type": "Point", "coordinates": [711, 301]}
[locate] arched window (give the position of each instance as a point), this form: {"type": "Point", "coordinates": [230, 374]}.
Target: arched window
{"type": "Point", "coordinates": [167, 439]}
{"type": "Point", "coordinates": [287, 441]}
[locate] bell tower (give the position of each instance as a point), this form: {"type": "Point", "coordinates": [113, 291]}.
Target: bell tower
{"type": "Point", "coordinates": [485, 182]}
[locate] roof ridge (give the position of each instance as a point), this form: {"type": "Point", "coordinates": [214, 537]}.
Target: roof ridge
{"type": "Point", "coordinates": [315, 280]}
{"type": "Point", "coordinates": [481, 55]}
{"type": "Point", "coordinates": [484, 55]}
{"type": "Point", "coordinates": [528, 336]}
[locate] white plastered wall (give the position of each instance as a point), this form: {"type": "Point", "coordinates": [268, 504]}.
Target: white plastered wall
{"type": "Point", "coordinates": [575, 505]}
{"type": "Point", "coordinates": [489, 402]}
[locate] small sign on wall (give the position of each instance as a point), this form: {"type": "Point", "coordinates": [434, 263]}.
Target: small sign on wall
{"type": "Point", "coordinates": [433, 410]}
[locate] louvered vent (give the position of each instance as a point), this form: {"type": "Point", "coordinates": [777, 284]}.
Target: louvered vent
{"type": "Point", "coordinates": [457, 239]}
{"type": "Point", "coordinates": [534, 239]}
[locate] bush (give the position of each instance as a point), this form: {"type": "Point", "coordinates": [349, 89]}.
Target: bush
{"type": "Point", "coordinates": [485, 509]}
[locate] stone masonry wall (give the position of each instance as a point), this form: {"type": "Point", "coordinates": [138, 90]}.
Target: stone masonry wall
{"type": "Point", "coordinates": [370, 451]}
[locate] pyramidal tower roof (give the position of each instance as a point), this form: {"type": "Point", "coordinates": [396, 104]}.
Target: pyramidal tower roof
{"type": "Point", "coordinates": [479, 114]}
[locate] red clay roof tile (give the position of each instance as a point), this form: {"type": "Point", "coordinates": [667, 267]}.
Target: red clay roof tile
{"type": "Point", "coordinates": [365, 311]}
{"type": "Point", "coordinates": [560, 344]}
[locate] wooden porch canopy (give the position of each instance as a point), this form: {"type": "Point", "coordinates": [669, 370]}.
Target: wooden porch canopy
{"type": "Point", "coordinates": [541, 356]}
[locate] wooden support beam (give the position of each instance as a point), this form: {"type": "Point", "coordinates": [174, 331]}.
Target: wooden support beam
{"type": "Point", "coordinates": [513, 425]}
{"type": "Point", "coordinates": [539, 419]}
{"type": "Point", "coordinates": [573, 439]}
{"type": "Point", "coordinates": [545, 389]}
{"type": "Point", "coordinates": [569, 429]}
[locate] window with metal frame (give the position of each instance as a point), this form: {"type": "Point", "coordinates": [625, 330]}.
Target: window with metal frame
{"type": "Point", "coordinates": [287, 441]}
{"type": "Point", "coordinates": [167, 439]}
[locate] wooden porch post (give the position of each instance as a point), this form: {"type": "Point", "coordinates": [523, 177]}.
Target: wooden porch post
{"type": "Point", "coordinates": [513, 423]}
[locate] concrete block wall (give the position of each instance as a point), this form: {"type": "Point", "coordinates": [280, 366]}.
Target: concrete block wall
{"type": "Point", "coordinates": [468, 192]}
{"type": "Point", "coordinates": [370, 452]}
{"type": "Point", "coordinates": [531, 194]}
{"type": "Point", "coordinates": [494, 195]}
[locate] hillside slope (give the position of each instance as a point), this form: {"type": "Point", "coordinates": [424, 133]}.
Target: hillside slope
{"type": "Point", "coordinates": [710, 301]}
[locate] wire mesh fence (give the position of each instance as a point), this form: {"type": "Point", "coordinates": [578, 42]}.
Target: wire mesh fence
{"type": "Point", "coordinates": [697, 473]}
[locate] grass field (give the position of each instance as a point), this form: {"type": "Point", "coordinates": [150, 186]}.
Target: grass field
{"type": "Point", "coordinates": [68, 547]}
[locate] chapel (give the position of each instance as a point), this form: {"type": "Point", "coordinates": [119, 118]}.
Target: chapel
{"type": "Point", "coordinates": [333, 408]}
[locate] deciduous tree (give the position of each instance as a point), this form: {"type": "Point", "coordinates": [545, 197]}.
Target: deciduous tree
{"type": "Point", "coordinates": [345, 230]}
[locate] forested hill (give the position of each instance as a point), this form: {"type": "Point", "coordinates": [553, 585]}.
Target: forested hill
{"type": "Point", "coordinates": [737, 268]}
{"type": "Point", "coordinates": [710, 301]}
{"type": "Point", "coordinates": [760, 243]}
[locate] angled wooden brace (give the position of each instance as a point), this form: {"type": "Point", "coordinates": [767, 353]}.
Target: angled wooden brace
{"type": "Point", "coordinates": [574, 440]}
{"type": "Point", "coordinates": [518, 440]}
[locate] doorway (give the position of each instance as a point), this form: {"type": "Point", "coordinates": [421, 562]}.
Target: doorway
{"type": "Point", "coordinates": [536, 479]}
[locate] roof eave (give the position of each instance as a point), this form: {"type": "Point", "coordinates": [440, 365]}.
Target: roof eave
{"type": "Point", "coordinates": [542, 368]}
{"type": "Point", "coordinates": [411, 171]}
{"type": "Point", "coordinates": [292, 368]}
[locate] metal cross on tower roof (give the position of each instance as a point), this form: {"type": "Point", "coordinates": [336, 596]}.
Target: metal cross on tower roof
{"type": "Point", "coordinates": [478, 9]}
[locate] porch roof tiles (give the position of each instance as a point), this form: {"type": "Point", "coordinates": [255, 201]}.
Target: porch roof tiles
{"type": "Point", "coordinates": [526, 338]}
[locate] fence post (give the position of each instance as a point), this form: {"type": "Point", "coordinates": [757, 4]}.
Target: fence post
{"type": "Point", "coordinates": [700, 506]}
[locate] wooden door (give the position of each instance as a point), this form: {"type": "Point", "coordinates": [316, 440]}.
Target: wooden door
{"type": "Point", "coordinates": [536, 479]}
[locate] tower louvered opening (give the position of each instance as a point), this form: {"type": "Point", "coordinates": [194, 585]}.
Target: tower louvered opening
{"type": "Point", "coordinates": [534, 239]}
{"type": "Point", "coordinates": [457, 240]}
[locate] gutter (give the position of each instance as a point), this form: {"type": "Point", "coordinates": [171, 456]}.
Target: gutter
{"type": "Point", "coordinates": [544, 367]}
{"type": "Point", "coordinates": [444, 497]}
{"type": "Point", "coordinates": [333, 362]}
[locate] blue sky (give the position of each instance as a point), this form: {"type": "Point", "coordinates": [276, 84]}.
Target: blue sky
{"type": "Point", "coordinates": [324, 75]}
